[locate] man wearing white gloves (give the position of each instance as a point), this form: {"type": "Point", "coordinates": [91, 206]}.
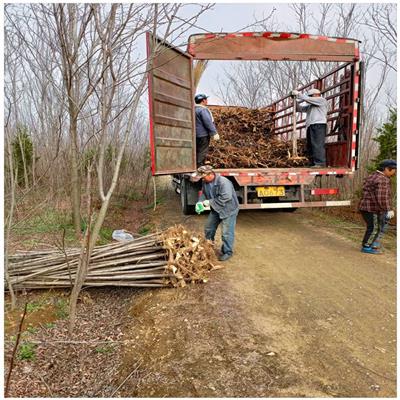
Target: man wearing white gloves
{"type": "Point", "coordinates": [205, 128]}
{"type": "Point", "coordinates": [316, 109]}
{"type": "Point", "coordinates": [376, 205]}
{"type": "Point", "coordinates": [220, 196]}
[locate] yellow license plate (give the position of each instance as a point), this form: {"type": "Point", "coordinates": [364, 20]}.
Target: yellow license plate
{"type": "Point", "coordinates": [270, 191]}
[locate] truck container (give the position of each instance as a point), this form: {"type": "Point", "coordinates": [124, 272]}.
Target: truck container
{"type": "Point", "coordinates": [172, 117]}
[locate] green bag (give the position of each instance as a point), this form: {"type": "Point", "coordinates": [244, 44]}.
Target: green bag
{"type": "Point", "coordinates": [199, 208]}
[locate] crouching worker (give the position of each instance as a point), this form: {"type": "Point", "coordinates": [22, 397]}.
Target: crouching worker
{"type": "Point", "coordinates": [375, 205]}
{"type": "Point", "coordinates": [220, 197]}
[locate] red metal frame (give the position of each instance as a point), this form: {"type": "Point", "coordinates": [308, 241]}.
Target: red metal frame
{"type": "Point", "coordinates": [355, 122]}
{"type": "Point", "coordinates": [151, 113]}
{"type": "Point", "coordinates": [341, 91]}
{"type": "Point", "coordinates": [254, 45]}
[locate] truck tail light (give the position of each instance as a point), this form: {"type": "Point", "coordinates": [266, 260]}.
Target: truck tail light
{"type": "Point", "coordinates": [318, 192]}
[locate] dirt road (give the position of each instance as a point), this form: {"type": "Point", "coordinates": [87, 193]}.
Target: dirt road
{"type": "Point", "coordinates": [298, 311]}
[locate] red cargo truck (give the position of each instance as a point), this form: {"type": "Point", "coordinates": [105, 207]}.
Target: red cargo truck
{"type": "Point", "coordinates": [172, 121]}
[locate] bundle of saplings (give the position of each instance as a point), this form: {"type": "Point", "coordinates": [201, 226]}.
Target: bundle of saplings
{"type": "Point", "coordinates": [170, 258]}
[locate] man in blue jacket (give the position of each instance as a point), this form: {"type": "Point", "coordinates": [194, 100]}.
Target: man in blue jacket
{"type": "Point", "coordinates": [205, 128]}
{"type": "Point", "coordinates": [220, 196]}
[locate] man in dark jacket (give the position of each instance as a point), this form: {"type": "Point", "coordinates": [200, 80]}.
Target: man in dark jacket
{"type": "Point", "coordinates": [205, 128]}
{"type": "Point", "coordinates": [376, 205]}
{"type": "Point", "coordinates": [220, 196]}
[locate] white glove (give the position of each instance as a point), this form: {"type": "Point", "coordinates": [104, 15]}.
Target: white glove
{"type": "Point", "coordinates": [206, 203]}
{"type": "Point", "coordinates": [390, 214]}
{"type": "Point", "coordinates": [295, 93]}
{"type": "Point", "coordinates": [215, 137]}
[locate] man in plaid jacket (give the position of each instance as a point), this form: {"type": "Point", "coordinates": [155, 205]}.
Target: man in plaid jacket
{"type": "Point", "coordinates": [376, 205]}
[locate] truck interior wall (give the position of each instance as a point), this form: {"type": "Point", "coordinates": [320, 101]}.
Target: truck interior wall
{"type": "Point", "coordinates": [337, 88]}
{"type": "Point", "coordinates": [262, 138]}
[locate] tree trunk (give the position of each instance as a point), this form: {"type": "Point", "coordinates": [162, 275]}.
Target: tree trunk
{"type": "Point", "coordinates": [80, 278]}
{"type": "Point", "coordinates": [8, 222]}
{"type": "Point", "coordinates": [84, 258]}
{"type": "Point", "coordinates": [75, 176]}
{"type": "Point", "coordinates": [23, 154]}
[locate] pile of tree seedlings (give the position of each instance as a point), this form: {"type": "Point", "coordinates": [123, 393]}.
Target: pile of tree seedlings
{"type": "Point", "coordinates": [171, 258]}
{"type": "Point", "coordinates": [246, 141]}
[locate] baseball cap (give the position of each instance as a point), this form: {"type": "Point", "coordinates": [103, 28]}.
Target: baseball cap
{"type": "Point", "coordinates": [388, 164]}
{"type": "Point", "coordinates": [200, 97]}
{"type": "Point", "coordinates": [313, 91]}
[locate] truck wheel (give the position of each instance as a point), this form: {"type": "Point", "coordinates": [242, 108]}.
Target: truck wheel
{"type": "Point", "coordinates": [187, 209]}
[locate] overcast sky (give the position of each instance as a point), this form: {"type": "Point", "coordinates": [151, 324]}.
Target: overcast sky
{"type": "Point", "coordinates": [228, 17]}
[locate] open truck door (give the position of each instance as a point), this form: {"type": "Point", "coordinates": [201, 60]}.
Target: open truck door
{"type": "Point", "coordinates": [172, 123]}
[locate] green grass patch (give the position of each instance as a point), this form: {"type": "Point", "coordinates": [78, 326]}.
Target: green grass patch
{"type": "Point", "coordinates": [49, 325]}
{"type": "Point", "coordinates": [132, 195]}
{"type": "Point", "coordinates": [106, 349]}
{"type": "Point", "coordinates": [27, 351]}
{"type": "Point", "coordinates": [49, 222]}
{"type": "Point", "coordinates": [159, 201]}
{"type": "Point", "coordinates": [34, 306]}
{"type": "Point", "coordinates": [144, 230]}
{"type": "Point", "coordinates": [61, 308]}
{"type": "Point", "coordinates": [122, 201]}
{"type": "Point", "coordinates": [31, 329]}
{"type": "Point", "coordinates": [105, 236]}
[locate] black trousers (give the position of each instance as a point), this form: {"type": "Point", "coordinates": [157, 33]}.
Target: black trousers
{"type": "Point", "coordinates": [202, 144]}
{"type": "Point", "coordinates": [316, 144]}
{"type": "Point", "coordinates": [376, 227]}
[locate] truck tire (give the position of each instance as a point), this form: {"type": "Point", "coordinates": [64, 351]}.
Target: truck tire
{"type": "Point", "coordinates": [187, 209]}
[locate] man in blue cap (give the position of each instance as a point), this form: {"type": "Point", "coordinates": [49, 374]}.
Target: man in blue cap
{"type": "Point", "coordinates": [205, 128]}
{"type": "Point", "coordinates": [376, 205]}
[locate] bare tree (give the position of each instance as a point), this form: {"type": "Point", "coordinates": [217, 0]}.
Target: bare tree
{"type": "Point", "coordinates": [9, 216]}
{"type": "Point", "coordinates": [381, 19]}
{"type": "Point", "coordinates": [76, 77]}
{"type": "Point", "coordinates": [71, 30]}
{"type": "Point", "coordinates": [116, 29]}
{"type": "Point", "coordinates": [242, 79]}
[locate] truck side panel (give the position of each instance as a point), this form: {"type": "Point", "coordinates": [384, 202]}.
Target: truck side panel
{"type": "Point", "coordinates": [278, 46]}
{"type": "Point", "coordinates": [172, 130]}
{"type": "Point", "coordinates": [341, 87]}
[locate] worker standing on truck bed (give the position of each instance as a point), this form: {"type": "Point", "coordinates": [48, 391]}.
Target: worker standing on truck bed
{"type": "Point", "coordinates": [316, 124]}
{"type": "Point", "coordinates": [218, 194]}
{"type": "Point", "coordinates": [376, 205]}
{"type": "Point", "coordinates": [205, 128]}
